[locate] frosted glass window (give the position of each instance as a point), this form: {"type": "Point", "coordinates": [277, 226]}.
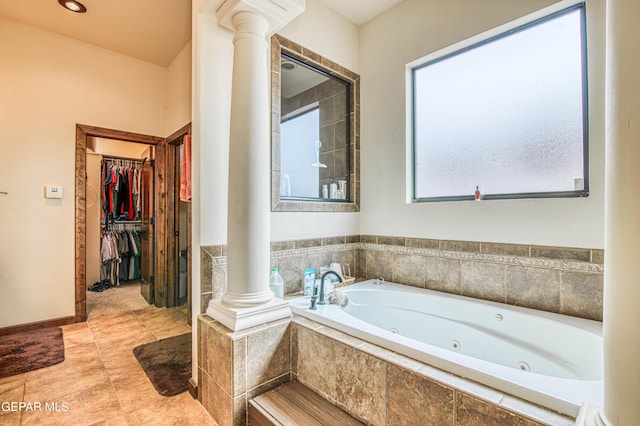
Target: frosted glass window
{"type": "Point", "coordinates": [507, 115]}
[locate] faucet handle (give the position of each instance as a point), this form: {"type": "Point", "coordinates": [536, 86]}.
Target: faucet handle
{"type": "Point", "coordinates": [314, 301]}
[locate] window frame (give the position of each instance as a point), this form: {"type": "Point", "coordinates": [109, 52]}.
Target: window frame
{"type": "Point", "coordinates": [412, 119]}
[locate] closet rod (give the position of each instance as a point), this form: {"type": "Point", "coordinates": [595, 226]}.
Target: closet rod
{"type": "Point", "coordinates": [113, 157]}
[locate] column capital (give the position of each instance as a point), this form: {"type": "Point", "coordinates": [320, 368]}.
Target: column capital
{"type": "Point", "coordinates": [278, 13]}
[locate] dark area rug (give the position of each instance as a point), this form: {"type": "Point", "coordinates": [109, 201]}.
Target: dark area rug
{"type": "Point", "coordinates": [167, 363]}
{"type": "Point", "coordinates": [31, 350]}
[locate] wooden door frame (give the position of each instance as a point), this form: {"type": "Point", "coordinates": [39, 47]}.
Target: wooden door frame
{"type": "Point", "coordinates": [82, 133]}
{"type": "Point", "coordinates": [173, 192]}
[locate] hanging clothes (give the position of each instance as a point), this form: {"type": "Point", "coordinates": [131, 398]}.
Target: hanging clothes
{"type": "Point", "coordinates": [131, 212]}
{"type": "Point", "coordinates": [120, 245]}
{"type": "Point", "coordinates": [122, 208]}
{"type": "Point", "coordinates": [136, 192]}
{"type": "Point", "coordinates": [110, 258]}
{"type": "Point", "coordinates": [121, 198]}
{"type": "Point", "coordinates": [120, 256]}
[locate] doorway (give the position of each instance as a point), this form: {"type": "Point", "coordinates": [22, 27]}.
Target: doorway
{"type": "Point", "coordinates": [179, 221]}
{"type": "Point", "coordinates": [162, 286]}
{"type": "Point", "coordinates": [119, 246]}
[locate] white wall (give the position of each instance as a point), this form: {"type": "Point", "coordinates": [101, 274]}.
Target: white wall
{"type": "Point", "coordinates": [210, 149]}
{"type": "Point", "coordinates": [119, 148]}
{"type": "Point", "coordinates": [329, 34]}
{"type": "Point", "coordinates": [49, 83]}
{"type": "Point", "coordinates": [411, 30]}
{"type": "Point", "coordinates": [213, 66]}
{"type": "Point", "coordinates": [212, 70]}
{"type": "Point", "coordinates": [179, 91]}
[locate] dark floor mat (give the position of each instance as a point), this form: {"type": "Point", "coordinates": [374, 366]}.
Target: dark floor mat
{"type": "Point", "coordinates": [167, 363]}
{"type": "Point", "coordinates": [30, 350]}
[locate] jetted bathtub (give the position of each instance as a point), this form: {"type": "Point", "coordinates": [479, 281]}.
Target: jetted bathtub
{"type": "Point", "coordinates": [549, 359]}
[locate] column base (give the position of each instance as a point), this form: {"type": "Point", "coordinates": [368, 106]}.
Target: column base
{"type": "Point", "coordinates": [591, 415]}
{"type": "Point", "coordinates": [237, 319]}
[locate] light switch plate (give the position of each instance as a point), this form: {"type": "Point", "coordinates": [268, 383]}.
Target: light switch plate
{"type": "Point", "coordinates": [51, 191]}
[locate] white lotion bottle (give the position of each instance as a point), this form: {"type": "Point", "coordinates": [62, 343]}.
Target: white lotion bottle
{"type": "Point", "coordinates": [333, 188]}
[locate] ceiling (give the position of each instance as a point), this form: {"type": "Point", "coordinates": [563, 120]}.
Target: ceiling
{"type": "Point", "coordinates": [151, 30]}
{"type": "Point", "coordinates": [360, 11]}
{"type": "Point", "coordinates": [298, 79]}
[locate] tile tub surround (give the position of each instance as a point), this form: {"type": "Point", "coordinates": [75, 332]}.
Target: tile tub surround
{"type": "Point", "coordinates": [373, 384]}
{"type": "Point", "coordinates": [233, 367]}
{"type": "Point", "coordinates": [562, 280]}
{"type": "Point", "coordinates": [555, 279]}
{"type": "Point", "coordinates": [290, 257]}
{"type": "Point", "coordinates": [381, 387]}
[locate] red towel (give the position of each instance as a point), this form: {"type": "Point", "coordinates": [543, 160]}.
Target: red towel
{"type": "Point", "coordinates": [185, 170]}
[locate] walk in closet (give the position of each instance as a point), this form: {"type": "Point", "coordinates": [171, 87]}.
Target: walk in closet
{"type": "Point", "coordinates": [133, 218]}
{"type": "Point", "coordinates": [121, 213]}
{"type": "Point", "coordinates": [117, 201]}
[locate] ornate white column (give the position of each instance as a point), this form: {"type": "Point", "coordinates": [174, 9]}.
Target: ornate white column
{"type": "Point", "coordinates": [248, 300]}
{"type": "Point", "coordinates": [622, 221]}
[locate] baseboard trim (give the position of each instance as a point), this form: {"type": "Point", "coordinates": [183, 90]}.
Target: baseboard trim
{"type": "Point", "coordinates": [193, 388]}
{"type": "Point", "coordinates": [56, 322]}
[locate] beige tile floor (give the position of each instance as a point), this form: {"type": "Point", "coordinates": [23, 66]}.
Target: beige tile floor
{"type": "Point", "coordinates": [115, 300]}
{"type": "Point", "coordinates": [100, 380]}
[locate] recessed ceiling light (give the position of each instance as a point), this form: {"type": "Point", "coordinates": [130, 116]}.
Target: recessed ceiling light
{"type": "Point", "coordinates": [287, 65]}
{"type": "Point", "coordinates": [73, 5]}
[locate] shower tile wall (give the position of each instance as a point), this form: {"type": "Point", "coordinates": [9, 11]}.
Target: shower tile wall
{"type": "Point", "coordinates": [555, 279]}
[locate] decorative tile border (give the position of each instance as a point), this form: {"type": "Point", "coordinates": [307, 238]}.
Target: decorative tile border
{"type": "Point", "coordinates": [534, 262]}
{"type": "Point", "coordinates": [280, 254]}
{"type": "Point", "coordinates": [489, 258]}
{"type": "Point", "coordinates": [219, 260]}
{"type": "Point", "coordinates": [502, 249]}
{"type": "Point", "coordinates": [315, 250]}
